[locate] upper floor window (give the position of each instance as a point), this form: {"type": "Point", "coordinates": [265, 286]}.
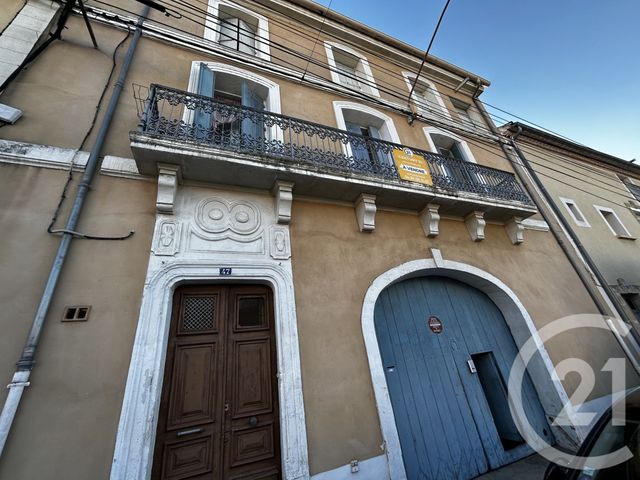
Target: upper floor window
{"type": "Point", "coordinates": [367, 123]}
{"type": "Point", "coordinates": [613, 222]}
{"type": "Point", "coordinates": [350, 69]}
{"type": "Point", "coordinates": [448, 145]}
{"type": "Point", "coordinates": [231, 88]}
{"type": "Point", "coordinates": [467, 114]}
{"type": "Point", "coordinates": [425, 96]}
{"type": "Point", "coordinates": [574, 212]}
{"type": "Point", "coordinates": [238, 28]}
{"type": "Point", "coordinates": [632, 187]}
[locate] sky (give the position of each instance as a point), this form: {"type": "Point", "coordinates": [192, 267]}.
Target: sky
{"type": "Point", "coordinates": [570, 66]}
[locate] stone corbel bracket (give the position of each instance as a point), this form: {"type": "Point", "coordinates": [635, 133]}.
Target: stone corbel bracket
{"type": "Point", "coordinates": [168, 180]}
{"type": "Point", "coordinates": [515, 230]}
{"type": "Point", "coordinates": [283, 193]}
{"type": "Point", "coordinates": [476, 223]}
{"type": "Point", "coordinates": [430, 220]}
{"type": "Point", "coordinates": [366, 212]}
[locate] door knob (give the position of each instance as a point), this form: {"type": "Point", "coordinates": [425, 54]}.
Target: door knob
{"type": "Point", "coordinates": [253, 421]}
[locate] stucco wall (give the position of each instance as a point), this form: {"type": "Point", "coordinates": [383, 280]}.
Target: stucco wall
{"type": "Point", "coordinates": [334, 264]}
{"type": "Point", "coordinates": [66, 424]}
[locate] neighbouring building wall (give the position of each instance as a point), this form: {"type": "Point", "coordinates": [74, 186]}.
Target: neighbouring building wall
{"type": "Point", "coordinates": [590, 186]}
{"type": "Point", "coordinates": [334, 265]}
{"type": "Point", "coordinates": [68, 417]}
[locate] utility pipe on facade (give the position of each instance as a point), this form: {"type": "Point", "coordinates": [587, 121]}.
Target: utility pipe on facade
{"type": "Point", "coordinates": [25, 364]}
{"type": "Point", "coordinates": [583, 271]}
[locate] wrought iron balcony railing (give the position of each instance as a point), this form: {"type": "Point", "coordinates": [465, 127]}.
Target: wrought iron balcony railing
{"type": "Point", "coordinates": [179, 115]}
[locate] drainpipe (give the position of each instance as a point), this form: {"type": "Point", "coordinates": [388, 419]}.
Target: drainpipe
{"type": "Point", "coordinates": [25, 364]}
{"type": "Point", "coordinates": [581, 262]}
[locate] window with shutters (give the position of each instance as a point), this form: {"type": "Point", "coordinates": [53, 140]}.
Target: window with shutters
{"type": "Point", "coordinates": [426, 97]}
{"type": "Point", "coordinates": [369, 124]}
{"type": "Point", "coordinates": [350, 69]}
{"type": "Point", "coordinates": [237, 28]}
{"type": "Point", "coordinates": [229, 85]}
{"type": "Point", "coordinates": [449, 145]}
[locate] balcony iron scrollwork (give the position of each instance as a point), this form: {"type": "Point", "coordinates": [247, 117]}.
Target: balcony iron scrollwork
{"type": "Point", "coordinates": [179, 115]}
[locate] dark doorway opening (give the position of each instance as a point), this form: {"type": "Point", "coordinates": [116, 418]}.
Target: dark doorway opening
{"type": "Point", "coordinates": [495, 391]}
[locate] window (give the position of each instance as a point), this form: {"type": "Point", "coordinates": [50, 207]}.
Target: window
{"type": "Point", "coordinates": [575, 212]}
{"type": "Point", "coordinates": [232, 86]}
{"type": "Point", "coordinates": [613, 222]}
{"type": "Point", "coordinates": [237, 28]}
{"type": "Point", "coordinates": [448, 145]}
{"type": "Point", "coordinates": [350, 69]}
{"type": "Point", "coordinates": [425, 96]}
{"type": "Point", "coordinates": [634, 189]}
{"type": "Point", "coordinates": [468, 115]}
{"type": "Point", "coordinates": [455, 150]}
{"type": "Point", "coordinates": [369, 123]}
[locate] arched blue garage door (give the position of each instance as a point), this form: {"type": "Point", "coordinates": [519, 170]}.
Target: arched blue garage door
{"type": "Point", "coordinates": [446, 351]}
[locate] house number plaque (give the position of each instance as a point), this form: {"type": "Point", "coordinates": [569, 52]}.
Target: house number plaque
{"type": "Point", "coordinates": [435, 324]}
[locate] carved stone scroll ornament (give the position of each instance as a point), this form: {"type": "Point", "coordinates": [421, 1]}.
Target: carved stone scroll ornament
{"type": "Point", "coordinates": [219, 217]}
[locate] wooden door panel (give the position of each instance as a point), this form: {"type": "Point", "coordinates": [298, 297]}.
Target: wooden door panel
{"type": "Point", "coordinates": [199, 314]}
{"type": "Point", "coordinates": [193, 385]}
{"type": "Point", "coordinates": [252, 444]}
{"type": "Point", "coordinates": [251, 367]}
{"type": "Point", "coordinates": [188, 459]}
{"type": "Point", "coordinates": [446, 426]}
{"type": "Point", "coordinates": [219, 408]}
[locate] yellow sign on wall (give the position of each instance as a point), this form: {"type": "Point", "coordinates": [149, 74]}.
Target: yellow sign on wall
{"type": "Point", "coordinates": [412, 167]}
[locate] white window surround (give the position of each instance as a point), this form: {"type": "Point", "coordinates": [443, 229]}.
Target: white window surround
{"type": "Point", "coordinates": [568, 204]}
{"type": "Point", "coordinates": [550, 390]}
{"type": "Point", "coordinates": [623, 232]}
{"type": "Point", "coordinates": [409, 78]}
{"type": "Point", "coordinates": [212, 26]}
{"type": "Point", "coordinates": [468, 156]}
{"type": "Point", "coordinates": [370, 87]}
{"type": "Point", "coordinates": [387, 128]}
{"type": "Point", "coordinates": [272, 101]}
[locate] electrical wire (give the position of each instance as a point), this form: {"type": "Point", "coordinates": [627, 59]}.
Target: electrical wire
{"type": "Point", "coordinates": [426, 53]}
{"type": "Point", "coordinates": [65, 189]}
{"type": "Point", "coordinates": [359, 94]}
{"type": "Point", "coordinates": [315, 42]}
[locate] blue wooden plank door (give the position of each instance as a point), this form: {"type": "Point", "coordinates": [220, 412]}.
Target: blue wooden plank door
{"type": "Point", "coordinates": [453, 423]}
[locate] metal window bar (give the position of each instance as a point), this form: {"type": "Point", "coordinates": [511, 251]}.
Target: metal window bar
{"type": "Point", "coordinates": [249, 131]}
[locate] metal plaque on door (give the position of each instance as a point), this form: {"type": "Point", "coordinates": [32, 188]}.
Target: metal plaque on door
{"type": "Point", "coordinates": [435, 324]}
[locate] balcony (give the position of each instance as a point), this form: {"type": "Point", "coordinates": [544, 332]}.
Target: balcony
{"type": "Point", "coordinates": [229, 144]}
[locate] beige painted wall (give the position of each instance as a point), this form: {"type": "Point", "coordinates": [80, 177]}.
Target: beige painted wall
{"type": "Point", "coordinates": [9, 10]}
{"type": "Point", "coordinates": [334, 264]}
{"type": "Point", "coordinates": [589, 185]}
{"type": "Point", "coordinates": [68, 417]}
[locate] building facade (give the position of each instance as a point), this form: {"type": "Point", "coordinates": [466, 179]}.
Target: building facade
{"type": "Point", "coordinates": [599, 197]}
{"type": "Point", "coordinates": [284, 268]}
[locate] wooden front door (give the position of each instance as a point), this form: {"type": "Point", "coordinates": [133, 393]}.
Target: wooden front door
{"type": "Point", "coordinates": [219, 408]}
